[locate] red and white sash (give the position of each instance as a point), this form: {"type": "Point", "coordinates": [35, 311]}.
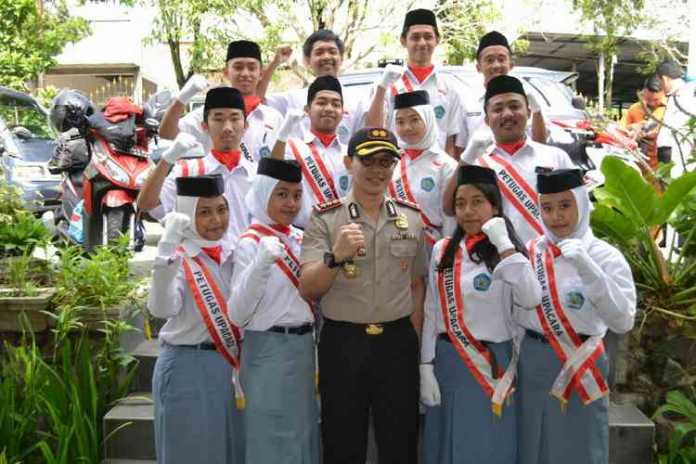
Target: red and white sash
{"type": "Point", "coordinates": [289, 264]}
{"type": "Point", "coordinates": [188, 167]}
{"type": "Point", "coordinates": [401, 188]}
{"type": "Point", "coordinates": [212, 307]}
{"type": "Point", "coordinates": [515, 189]}
{"type": "Point", "coordinates": [315, 172]}
{"type": "Point", "coordinates": [579, 370]}
{"type": "Point", "coordinates": [476, 356]}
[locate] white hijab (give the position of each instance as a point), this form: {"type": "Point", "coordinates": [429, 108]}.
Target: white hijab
{"type": "Point", "coordinates": [582, 228]}
{"type": "Point", "coordinates": [427, 115]}
{"type": "Point", "coordinates": [258, 196]}
{"type": "Point", "coordinates": [192, 239]}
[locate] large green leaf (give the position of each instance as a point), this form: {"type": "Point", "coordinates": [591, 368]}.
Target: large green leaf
{"type": "Point", "coordinates": [638, 200]}
{"type": "Point", "coordinates": [609, 222]}
{"type": "Point", "coordinates": [675, 194]}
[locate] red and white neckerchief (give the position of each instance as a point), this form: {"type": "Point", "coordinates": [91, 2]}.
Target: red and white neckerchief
{"type": "Point", "coordinates": [579, 371]}
{"type": "Point", "coordinates": [401, 188]}
{"type": "Point", "coordinates": [522, 196]}
{"type": "Point", "coordinates": [289, 264]}
{"type": "Point", "coordinates": [314, 171]}
{"type": "Point", "coordinates": [212, 307]}
{"type": "Point", "coordinates": [406, 84]}
{"type": "Point", "coordinates": [475, 356]}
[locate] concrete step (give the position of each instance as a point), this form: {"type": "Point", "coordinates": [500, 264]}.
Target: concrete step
{"type": "Point", "coordinates": [145, 353]}
{"type": "Point", "coordinates": [130, 429]}
{"type": "Point", "coordinates": [631, 435]}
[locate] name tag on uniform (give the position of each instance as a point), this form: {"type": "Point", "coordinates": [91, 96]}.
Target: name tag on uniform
{"type": "Point", "coordinates": [404, 236]}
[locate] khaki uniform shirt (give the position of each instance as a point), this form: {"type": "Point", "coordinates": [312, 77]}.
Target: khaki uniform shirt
{"type": "Point", "coordinates": [395, 254]}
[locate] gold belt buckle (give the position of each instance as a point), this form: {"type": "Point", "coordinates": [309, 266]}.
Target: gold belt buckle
{"type": "Point", "coordinates": [374, 329]}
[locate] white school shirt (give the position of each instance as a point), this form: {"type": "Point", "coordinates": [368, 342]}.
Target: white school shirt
{"type": "Point", "coordinates": [427, 177]}
{"type": "Point", "coordinates": [445, 98]}
{"type": "Point", "coordinates": [592, 307]}
{"type": "Point", "coordinates": [296, 99]}
{"type": "Point", "coordinates": [237, 184]}
{"type": "Point", "coordinates": [526, 160]}
{"type": "Point", "coordinates": [680, 103]}
{"type": "Point", "coordinates": [332, 156]}
{"type": "Point", "coordinates": [488, 298]}
{"type": "Point", "coordinates": [278, 302]}
{"type": "Point", "coordinates": [258, 139]}
{"type": "Point", "coordinates": [171, 298]}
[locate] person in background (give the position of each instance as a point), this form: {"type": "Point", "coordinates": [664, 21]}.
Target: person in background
{"type": "Point", "coordinates": [642, 119]}
{"type": "Point", "coordinates": [672, 140]}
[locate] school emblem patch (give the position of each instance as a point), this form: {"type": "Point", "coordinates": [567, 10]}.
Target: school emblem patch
{"type": "Point", "coordinates": [439, 111]}
{"type": "Point", "coordinates": [575, 300]}
{"type": "Point", "coordinates": [265, 152]}
{"type": "Point", "coordinates": [344, 182]}
{"type": "Point", "coordinates": [427, 184]}
{"type": "Point", "coordinates": [342, 131]}
{"type": "Point", "coordinates": [482, 282]}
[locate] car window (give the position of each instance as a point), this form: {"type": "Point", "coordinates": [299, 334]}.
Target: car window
{"type": "Point", "coordinates": [556, 95]}
{"type": "Point", "coordinates": [16, 113]}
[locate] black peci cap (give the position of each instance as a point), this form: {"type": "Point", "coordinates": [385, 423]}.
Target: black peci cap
{"type": "Point", "coordinates": [410, 99]}
{"type": "Point", "coordinates": [369, 141]}
{"type": "Point", "coordinates": [419, 16]}
{"type": "Point", "coordinates": [223, 97]}
{"type": "Point", "coordinates": [559, 180]}
{"type": "Point", "coordinates": [243, 49]}
{"type": "Point", "coordinates": [323, 83]}
{"type": "Point", "coordinates": [471, 174]}
{"type": "Point", "coordinates": [490, 39]}
{"type": "Point", "coordinates": [503, 84]}
{"type": "Point", "coordinates": [200, 186]}
{"type": "Point", "coordinates": [285, 170]}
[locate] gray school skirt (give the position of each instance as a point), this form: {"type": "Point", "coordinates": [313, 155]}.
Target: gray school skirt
{"type": "Point", "coordinates": [548, 435]}
{"type": "Point", "coordinates": [282, 417]}
{"type": "Point", "coordinates": [196, 419]}
{"type": "Point", "coordinates": [463, 428]}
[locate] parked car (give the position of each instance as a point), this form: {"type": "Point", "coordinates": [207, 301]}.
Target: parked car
{"type": "Point", "coordinates": [26, 146]}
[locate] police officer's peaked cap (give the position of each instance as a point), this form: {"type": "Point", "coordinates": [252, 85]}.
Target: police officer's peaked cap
{"type": "Point", "coordinates": [369, 141]}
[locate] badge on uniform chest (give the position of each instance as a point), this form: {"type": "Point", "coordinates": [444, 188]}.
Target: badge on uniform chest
{"type": "Point", "coordinates": [482, 282]}
{"type": "Point", "coordinates": [404, 236]}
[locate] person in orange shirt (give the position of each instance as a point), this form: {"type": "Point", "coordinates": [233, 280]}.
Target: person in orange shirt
{"type": "Point", "coordinates": [644, 126]}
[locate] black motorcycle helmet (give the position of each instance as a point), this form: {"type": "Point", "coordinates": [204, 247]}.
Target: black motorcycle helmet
{"type": "Point", "coordinates": [70, 109]}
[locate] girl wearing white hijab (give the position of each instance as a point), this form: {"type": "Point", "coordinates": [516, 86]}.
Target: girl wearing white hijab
{"type": "Point", "coordinates": [195, 415]}
{"type": "Point", "coordinates": [422, 173]}
{"type": "Point", "coordinates": [587, 289]}
{"type": "Point", "coordinates": [278, 364]}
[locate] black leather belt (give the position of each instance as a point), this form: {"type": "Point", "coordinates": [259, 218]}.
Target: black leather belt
{"type": "Point", "coordinates": [542, 338]}
{"type": "Point", "coordinates": [371, 328]}
{"type": "Point", "coordinates": [299, 330]}
{"type": "Point", "coordinates": [201, 346]}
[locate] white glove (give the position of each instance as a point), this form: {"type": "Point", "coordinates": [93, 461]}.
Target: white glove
{"type": "Point", "coordinates": [574, 250]}
{"type": "Point", "coordinates": [174, 226]}
{"type": "Point", "coordinates": [270, 249]}
{"type": "Point", "coordinates": [497, 233]}
{"type": "Point", "coordinates": [391, 74]}
{"type": "Point", "coordinates": [191, 88]}
{"type": "Point", "coordinates": [477, 146]}
{"type": "Point", "coordinates": [182, 144]}
{"type": "Point", "coordinates": [534, 106]}
{"type": "Point", "coordinates": [429, 389]}
{"type": "Point", "coordinates": [292, 119]}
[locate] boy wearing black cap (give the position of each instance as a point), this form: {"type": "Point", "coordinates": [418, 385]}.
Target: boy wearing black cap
{"type": "Point", "coordinates": [364, 255]}
{"type": "Point", "coordinates": [319, 150]}
{"type": "Point", "coordinates": [195, 379]}
{"type": "Point", "coordinates": [224, 123]}
{"type": "Point", "coordinates": [323, 55]}
{"type": "Point", "coordinates": [242, 71]}
{"type": "Point", "coordinates": [420, 36]}
{"type": "Point", "coordinates": [515, 158]}
{"type": "Point", "coordinates": [493, 58]}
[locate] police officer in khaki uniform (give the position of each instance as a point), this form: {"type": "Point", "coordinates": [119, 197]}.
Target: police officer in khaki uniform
{"type": "Point", "coordinates": [365, 257]}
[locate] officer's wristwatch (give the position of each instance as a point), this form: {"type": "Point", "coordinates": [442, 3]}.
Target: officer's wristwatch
{"type": "Point", "coordinates": [330, 261]}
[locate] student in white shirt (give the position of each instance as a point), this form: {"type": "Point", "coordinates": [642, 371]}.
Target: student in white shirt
{"type": "Point", "coordinates": [196, 419]}
{"type": "Point", "coordinates": [278, 363]}
{"type": "Point", "coordinates": [587, 289]}
{"type": "Point", "coordinates": [225, 123]}
{"type": "Point", "coordinates": [242, 70]}
{"type": "Point", "coordinates": [424, 168]}
{"type": "Point", "coordinates": [470, 344]}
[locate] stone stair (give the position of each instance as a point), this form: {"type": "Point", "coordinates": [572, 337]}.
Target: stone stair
{"type": "Point", "coordinates": [130, 423]}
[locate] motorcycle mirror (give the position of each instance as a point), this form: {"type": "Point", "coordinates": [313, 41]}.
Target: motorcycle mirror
{"type": "Point", "coordinates": [578, 103]}
{"type": "Point", "coordinates": [152, 123]}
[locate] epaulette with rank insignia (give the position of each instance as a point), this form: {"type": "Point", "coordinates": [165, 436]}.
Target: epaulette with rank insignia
{"type": "Point", "coordinates": [327, 206]}
{"type": "Point", "coordinates": [406, 203]}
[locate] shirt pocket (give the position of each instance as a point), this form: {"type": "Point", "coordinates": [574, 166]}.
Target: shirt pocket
{"type": "Point", "coordinates": [403, 248]}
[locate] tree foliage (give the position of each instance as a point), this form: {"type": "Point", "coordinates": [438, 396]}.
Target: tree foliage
{"type": "Point", "coordinates": [32, 34]}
